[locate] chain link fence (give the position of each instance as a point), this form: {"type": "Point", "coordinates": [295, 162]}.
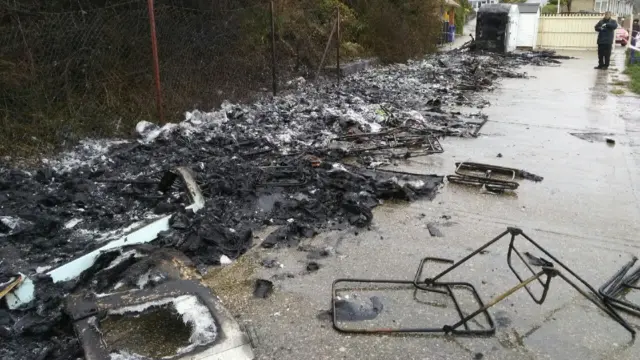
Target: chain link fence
{"type": "Point", "coordinates": [70, 70]}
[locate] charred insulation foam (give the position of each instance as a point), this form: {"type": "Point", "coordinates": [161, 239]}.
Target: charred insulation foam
{"type": "Point", "coordinates": [193, 313]}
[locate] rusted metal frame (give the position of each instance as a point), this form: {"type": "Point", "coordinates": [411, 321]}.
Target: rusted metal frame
{"type": "Point", "coordinates": [461, 177]}
{"type": "Point", "coordinates": [619, 284]}
{"type": "Point", "coordinates": [487, 169]}
{"type": "Point", "coordinates": [491, 184]}
{"type": "Point", "coordinates": [442, 329]}
{"type": "Point", "coordinates": [592, 295]}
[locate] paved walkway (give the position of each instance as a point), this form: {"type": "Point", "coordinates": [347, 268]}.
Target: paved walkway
{"type": "Point", "coordinates": [469, 29]}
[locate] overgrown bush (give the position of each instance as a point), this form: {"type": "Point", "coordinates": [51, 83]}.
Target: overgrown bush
{"type": "Point", "coordinates": [83, 68]}
{"type": "Point", "coordinates": [462, 14]}
{"type": "Point", "coordinates": [398, 30]}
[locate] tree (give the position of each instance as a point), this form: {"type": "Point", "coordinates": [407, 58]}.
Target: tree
{"type": "Point", "coordinates": [563, 3]}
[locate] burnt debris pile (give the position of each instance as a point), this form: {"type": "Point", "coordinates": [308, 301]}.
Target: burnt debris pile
{"type": "Point", "coordinates": [308, 161]}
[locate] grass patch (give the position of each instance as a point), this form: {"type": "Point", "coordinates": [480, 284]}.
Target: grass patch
{"type": "Point", "coordinates": [619, 83]}
{"type": "Point", "coordinates": [617, 91]}
{"type": "Point", "coordinates": [633, 71]}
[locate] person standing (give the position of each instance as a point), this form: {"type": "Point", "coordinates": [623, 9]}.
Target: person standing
{"type": "Point", "coordinates": [606, 29]}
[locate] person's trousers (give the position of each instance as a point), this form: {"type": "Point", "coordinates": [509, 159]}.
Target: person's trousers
{"type": "Point", "coordinates": [604, 55]}
{"type": "Point", "coordinates": [633, 59]}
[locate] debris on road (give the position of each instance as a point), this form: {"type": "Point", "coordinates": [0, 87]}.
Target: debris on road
{"type": "Point", "coordinates": [595, 137]}
{"type": "Point", "coordinates": [358, 310]}
{"type": "Point", "coordinates": [105, 216]}
{"type": "Point", "coordinates": [542, 276]}
{"type": "Point", "coordinates": [271, 263]}
{"type": "Point", "coordinates": [263, 289]}
{"type": "Point", "coordinates": [433, 230]}
{"type": "Point", "coordinates": [469, 173]}
{"type": "Point", "coordinates": [616, 290]}
{"type": "Point", "coordinates": [313, 266]}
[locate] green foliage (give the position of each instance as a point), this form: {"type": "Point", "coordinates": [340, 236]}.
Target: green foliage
{"type": "Point", "coordinates": [398, 30]}
{"type": "Point", "coordinates": [633, 71]}
{"type": "Point", "coordinates": [461, 15]}
{"type": "Point", "coordinates": [550, 9]}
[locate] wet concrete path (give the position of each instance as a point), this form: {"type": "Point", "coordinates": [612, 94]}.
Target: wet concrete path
{"type": "Point", "coordinates": [585, 211]}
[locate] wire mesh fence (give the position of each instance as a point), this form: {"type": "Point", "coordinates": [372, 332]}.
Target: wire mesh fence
{"type": "Point", "coordinates": [89, 66]}
{"type": "Point", "coordinates": [69, 70]}
{"type": "Point", "coordinates": [73, 71]}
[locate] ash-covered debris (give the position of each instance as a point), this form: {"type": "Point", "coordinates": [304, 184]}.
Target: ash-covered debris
{"type": "Point", "coordinates": [275, 162]}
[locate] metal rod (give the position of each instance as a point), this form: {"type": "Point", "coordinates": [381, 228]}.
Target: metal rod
{"type": "Point", "coordinates": [326, 49]}
{"type": "Point", "coordinates": [602, 305]}
{"type": "Point", "coordinates": [497, 299]}
{"type": "Point", "coordinates": [156, 61]}
{"type": "Point", "coordinates": [450, 268]}
{"type": "Point", "coordinates": [274, 75]}
{"type": "Point", "coordinates": [338, 48]}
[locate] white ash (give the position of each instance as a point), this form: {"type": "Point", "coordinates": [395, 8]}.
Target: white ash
{"type": "Point", "coordinates": [122, 257]}
{"type": "Point", "coordinates": [86, 153]}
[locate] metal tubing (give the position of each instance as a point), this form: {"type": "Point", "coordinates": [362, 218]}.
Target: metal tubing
{"type": "Point", "coordinates": [447, 285]}
{"type": "Point", "coordinates": [474, 253]}
{"type": "Point", "coordinates": [274, 74]}
{"type": "Point", "coordinates": [499, 298]}
{"type": "Point", "coordinates": [617, 278]}
{"type": "Point", "coordinates": [326, 49]}
{"type": "Point", "coordinates": [338, 48]}
{"type": "Point", "coordinates": [156, 61]}
{"type": "Point", "coordinates": [602, 305]}
{"type": "Point", "coordinates": [513, 249]}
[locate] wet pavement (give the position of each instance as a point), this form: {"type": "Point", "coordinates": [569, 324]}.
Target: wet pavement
{"type": "Point", "coordinates": [584, 212]}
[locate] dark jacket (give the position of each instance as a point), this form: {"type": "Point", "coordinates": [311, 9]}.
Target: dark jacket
{"type": "Point", "coordinates": [606, 31]}
{"type": "Point", "coordinates": [635, 30]}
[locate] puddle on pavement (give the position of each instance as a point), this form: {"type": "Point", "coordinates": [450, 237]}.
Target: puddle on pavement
{"type": "Point", "coordinates": [159, 332]}
{"type": "Point", "coordinates": [401, 306]}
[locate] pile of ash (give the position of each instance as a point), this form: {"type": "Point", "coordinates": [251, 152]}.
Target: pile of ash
{"type": "Point", "coordinates": [309, 161]}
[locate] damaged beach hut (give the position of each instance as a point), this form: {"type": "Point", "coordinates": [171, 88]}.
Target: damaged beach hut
{"type": "Point", "coordinates": [497, 28]}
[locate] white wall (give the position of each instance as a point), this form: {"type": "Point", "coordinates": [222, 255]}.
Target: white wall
{"type": "Point", "coordinates": [528, 30]}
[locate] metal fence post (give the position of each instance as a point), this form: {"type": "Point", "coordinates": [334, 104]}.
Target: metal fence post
{"type": "Point", "coordinates": [338, 48]}
{"type": "Point", "coordinates": [156, 62]}
{"type": "Point", "coordinates": [274, 74]}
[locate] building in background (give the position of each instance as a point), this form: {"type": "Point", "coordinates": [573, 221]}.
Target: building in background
{"type": "Point", "coordinates": [479, 3]}
{"type": "Point", "coordinates": [618, 7]}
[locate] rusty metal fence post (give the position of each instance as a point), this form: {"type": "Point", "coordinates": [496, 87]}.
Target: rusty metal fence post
{"type": "Point", "coordinates": [156, 61]}
{"type": "Point", "coordinates": [338, 48]}
{"type": "Point", "coordinates": [274, 75]}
